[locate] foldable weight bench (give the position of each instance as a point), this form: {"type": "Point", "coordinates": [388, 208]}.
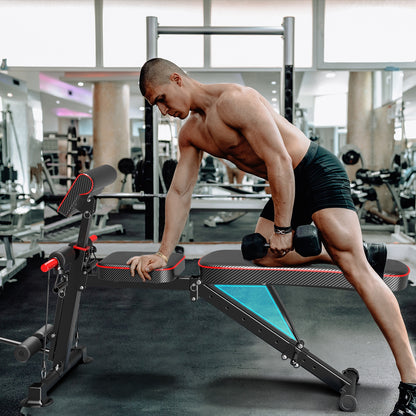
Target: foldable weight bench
{"type": "Point", "coordinates": [247, 294]}
{"type": "Point", "coordinates": [235, 286]}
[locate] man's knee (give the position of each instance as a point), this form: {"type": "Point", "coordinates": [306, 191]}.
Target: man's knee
{"type": "Point", "coordinates": [269, 261]}
{"type": "Point", "coordinates": [356, 270]}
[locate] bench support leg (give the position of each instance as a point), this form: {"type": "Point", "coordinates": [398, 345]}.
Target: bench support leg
{"type": "Point", "coordinates": [290, 347]}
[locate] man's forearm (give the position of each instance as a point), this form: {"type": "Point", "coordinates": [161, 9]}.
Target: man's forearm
{"type": "Point", "coordinates": [176, 213]}
{"type": "Point", "coordinates": [282, 184]}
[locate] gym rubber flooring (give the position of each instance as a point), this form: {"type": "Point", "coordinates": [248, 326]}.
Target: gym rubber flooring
{"type": "Point", "coordinates": [157, 353]}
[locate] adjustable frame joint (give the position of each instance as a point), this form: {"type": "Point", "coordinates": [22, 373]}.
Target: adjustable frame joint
{"type": "Point", "coordinates": [194, 284]}
{"type": "Point", "coordinates": [297, 350]}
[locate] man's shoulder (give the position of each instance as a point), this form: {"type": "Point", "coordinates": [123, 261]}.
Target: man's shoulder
{"type": "Point", "coordinates": [191, 122]}
{"type": "Point", "coordinates": [233, 93]}
{"type": "Point", "coordinates": [189, 128]}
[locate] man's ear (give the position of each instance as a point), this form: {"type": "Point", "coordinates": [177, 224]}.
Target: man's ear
{"type": "Point", "coordinates": [175, 77]}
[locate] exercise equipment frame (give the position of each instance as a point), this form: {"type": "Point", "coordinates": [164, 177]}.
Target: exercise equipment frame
{"type": "Point", "coordinates": [65, 353]}
{"type": "Point", "coordinates": [153, 30]}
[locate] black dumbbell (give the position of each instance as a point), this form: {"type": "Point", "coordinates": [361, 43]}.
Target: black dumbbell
{"type": "Point", "coordinates": [306, 242]}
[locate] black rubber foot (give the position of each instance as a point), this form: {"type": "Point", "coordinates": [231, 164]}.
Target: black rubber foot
{"type": "Point", "coordinates": [347, 403]}
{"type": "Point", "coordinates": [347, 400]}
{"type": "Point", "coordinates": [28, 409]}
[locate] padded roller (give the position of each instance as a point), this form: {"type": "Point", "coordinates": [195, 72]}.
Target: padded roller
{"type": "Point", "coordinates": [89, 183]}
{"type": "Point", "coordinates": [229, 267]}
{"type": "Point", "coordinates": [114, 269]}
{"type": "Point", "coordinates": [101, 177]}
{"type": "Point", "coordinates": [32, 344]}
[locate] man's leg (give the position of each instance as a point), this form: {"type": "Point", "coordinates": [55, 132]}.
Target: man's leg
{"type": "Point", "coordinates": [345, 247]}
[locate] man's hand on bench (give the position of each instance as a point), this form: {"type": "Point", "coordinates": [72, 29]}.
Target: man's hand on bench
{"type": "Point", "coordinates": [146, 264]}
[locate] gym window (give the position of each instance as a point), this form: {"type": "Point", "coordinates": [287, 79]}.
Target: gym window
{"type": "Point", "coordinates": [48, 33]}
{"type": "Point", "coordinates": [260, 51]}
{"type": "Point", "coordinates": [124, 32]}
{"type": "Point", "coordinates": [369, 31]}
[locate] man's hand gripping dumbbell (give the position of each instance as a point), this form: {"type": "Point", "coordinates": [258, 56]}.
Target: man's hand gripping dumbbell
{"type": "Point", "coordinates": [306, 242]}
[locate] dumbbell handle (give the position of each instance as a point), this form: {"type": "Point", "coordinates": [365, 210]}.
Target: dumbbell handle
{"type": "Point", "coordinates": [306, 242]}
{"type": "Point", "coordinates": [266, 245]}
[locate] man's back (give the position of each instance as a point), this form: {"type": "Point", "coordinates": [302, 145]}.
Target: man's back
{"type": "Point", "coordinates": [224, 128]}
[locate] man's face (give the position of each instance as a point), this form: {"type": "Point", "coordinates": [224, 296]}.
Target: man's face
{"type": "Point", "coordinates": [170, 98]}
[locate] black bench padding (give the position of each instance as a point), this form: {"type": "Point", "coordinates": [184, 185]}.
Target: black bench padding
{"type": "Point", "coordinates": [89, 183]}
{"type": "Point", "coordinates": [229, 267]}
{"type": "Point", "coordinates": [114, 269]}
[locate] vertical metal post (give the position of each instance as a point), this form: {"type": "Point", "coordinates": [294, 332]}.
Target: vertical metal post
{"type": "Point", "coordinates": [5, 142]}
{"type": "Point", "coordinates": [151, 37]}
{"type": "Point", "coordinates": [151, 143]}
{"type": "Point", "coordinates": [287, 84]}
{"type": "Point", "coordinates": [98, 7]}
{"type": "Point", "coordinates": [207, 38]}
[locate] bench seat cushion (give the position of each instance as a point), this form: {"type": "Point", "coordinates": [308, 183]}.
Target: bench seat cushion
{"type": "Point", "coordinates": [113, 268]}
{"type": "Point", "coordinates": [229, 267]}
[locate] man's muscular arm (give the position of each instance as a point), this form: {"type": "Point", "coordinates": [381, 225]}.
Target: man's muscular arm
{"type": "Point", "coordinates": [178, 203]}
{"type": "Point", "coordinates": [245, 111]}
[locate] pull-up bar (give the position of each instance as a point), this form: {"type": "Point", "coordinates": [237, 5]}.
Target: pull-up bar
{"type": "Point", "coordinates": [153, 30]}
{"type": "Point", "coordinates": [220, 30]}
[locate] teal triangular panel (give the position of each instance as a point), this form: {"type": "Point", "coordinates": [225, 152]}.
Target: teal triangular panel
{"type": "Point", "coordinates": [258, 300]}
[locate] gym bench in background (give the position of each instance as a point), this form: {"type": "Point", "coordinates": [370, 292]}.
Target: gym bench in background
{"type": "Point", "coordinates": [236, 286]}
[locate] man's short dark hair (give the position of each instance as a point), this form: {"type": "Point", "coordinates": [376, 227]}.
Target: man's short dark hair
{"type": "Point", "coordinates": [157, 71]}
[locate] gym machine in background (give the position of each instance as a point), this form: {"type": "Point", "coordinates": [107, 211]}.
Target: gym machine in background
{"type": "Point", "coordinates": [399, 179]}
{"type": "Point", "coordinates": [235, 286]}
{"type": "Point", "coordinates": [8, 175]}
{"type": "Point", "coordinates": [15, 206]}
{"type": "Point", "coordinates": [151, 161]}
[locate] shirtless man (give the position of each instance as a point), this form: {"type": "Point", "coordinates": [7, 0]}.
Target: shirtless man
{"type": "Point", "coordinates": [236, 123]}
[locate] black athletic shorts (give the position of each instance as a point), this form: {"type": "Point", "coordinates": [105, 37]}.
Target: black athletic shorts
{"type": "Point", "coordinates": [321, 182]}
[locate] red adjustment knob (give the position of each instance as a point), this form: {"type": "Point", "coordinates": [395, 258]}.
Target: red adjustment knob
{"type": "Point", "coordinates": [50, 264]}
{"type": "Point", "coordinates": [93, 238]}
